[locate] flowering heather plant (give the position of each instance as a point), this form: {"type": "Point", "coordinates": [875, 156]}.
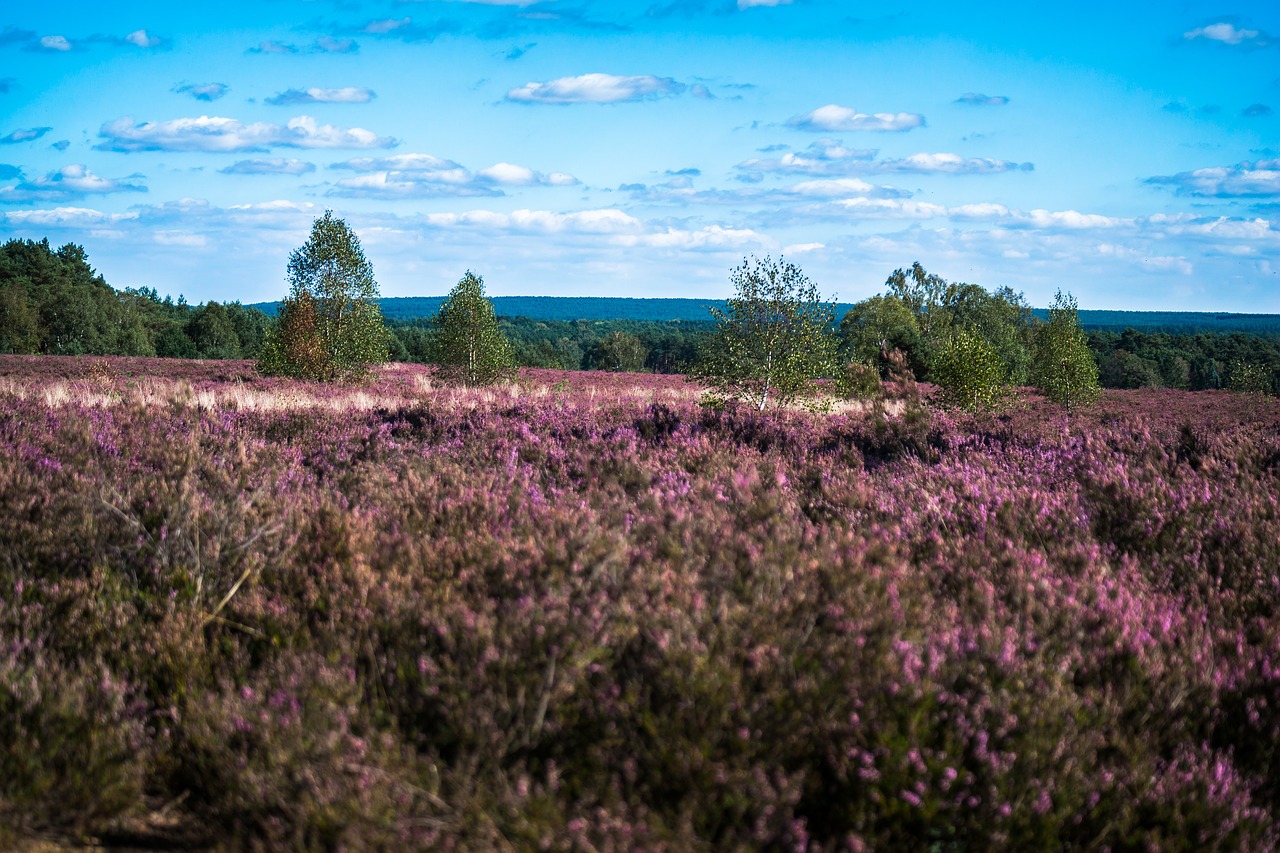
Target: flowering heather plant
{"type": "Point", "coordinates": [581, 610]}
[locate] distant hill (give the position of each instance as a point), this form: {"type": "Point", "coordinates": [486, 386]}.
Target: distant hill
{"type": "Point", "coordinates": [569, 308]}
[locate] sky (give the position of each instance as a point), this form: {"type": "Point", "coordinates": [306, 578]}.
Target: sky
{"type": "Point", "coordinates": [1128, 153]}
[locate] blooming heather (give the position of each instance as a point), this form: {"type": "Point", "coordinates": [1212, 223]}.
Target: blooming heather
{"type": "Point", "coordinates": [581, 610]}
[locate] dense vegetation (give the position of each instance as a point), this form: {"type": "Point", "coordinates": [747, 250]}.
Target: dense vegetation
{"type": "Point", "coordinates": [667, 310]}
{"type": "Point", "coordinates": [52, 302]}
{"type": "Point", "coordinates": [584, 611]}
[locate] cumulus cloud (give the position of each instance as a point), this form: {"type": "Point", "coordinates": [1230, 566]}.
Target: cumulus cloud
{"type": "Point", "coordinates": [597, 89]}
{"type": "Point", "coordinates": [831, 157]}
{"type": "Point", "coordinates": [833, 117]}
{"type": "Point", "coordinates": [202, 91]}
{"type": "Point", "coordinates": [427, 176]}
{"type": "Point", "coordinates": [1256, 111]}
{"type": "Point", "coordinates": [8, 172]}
{"type": "Point", "coordinates": [1225, 32]}
{"type": "Point", "coordinates": [747, 4]}
{"type": "Point", "coordinates": [269, 166]}
{"type": "Point", "coordinates": [61, 145]}
{"type": "Point", "coordinates": [55, 43]}
{"type": "Point", "coordinates": [315, 95]}
{"type": "Point", "coordinates": [73, 181]}
{"type": "Point", "coordinates": [978, 99]}
{"type": "Point", "coordinates": [1259, 179]}
{"type": "Point", "coordinates": [215, 133]}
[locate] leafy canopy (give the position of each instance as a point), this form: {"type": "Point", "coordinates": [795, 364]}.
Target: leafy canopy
{"type": "Point", "coordinates": [470, 346]}
{"type": "Point", "coordinates": [330, 325]}
{"type": "Point", "coordinates": [968, 370]}
{"type": "Point", "coordinates": [1063, 367]}
{"type": "Point", "coordinates": [774, 337]}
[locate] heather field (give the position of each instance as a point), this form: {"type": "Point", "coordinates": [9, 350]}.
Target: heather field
{"type": "Point", "coordinates": [582, 611]}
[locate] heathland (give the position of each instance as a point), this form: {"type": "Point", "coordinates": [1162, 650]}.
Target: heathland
{"type": "Point", "coordinates": [587, 611]}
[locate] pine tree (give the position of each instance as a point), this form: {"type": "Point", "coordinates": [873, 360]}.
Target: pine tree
{"type": "Point", "coordinates": [470, 347]}
{"type": "Point", "coordinates": [1063, 368]}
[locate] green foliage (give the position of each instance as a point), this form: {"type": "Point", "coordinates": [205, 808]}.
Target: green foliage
{"type": "Point", "coordinates": [774, 337]}
{"type": "Point", "coordinates": [1064, 369]}
{"type": "Point", "coordinates": [19, 323]}
{"type": "Point", "coordinates": [470, 347]}
{"type": "Point", "coordinates": [969, 372]}
{"type": "Point", "coordinates": [620, 352]}
{"type": "Point", "coordinates": [875, 327]}
{"type": "Point", "coordinates": [1249, 378]}
{"type": "Point", "coordinates": [212, 332]}
{"type": "Point", "coordinates": [330, 326]}
{"type": "Point", "coordinates": [1003, 320]}
{"type": "Point", "coordinates": [859, 381]}
{"type": "Point", "coordinates": [924, 294]}
{"type": "Point", "coordinates": [52, 302]}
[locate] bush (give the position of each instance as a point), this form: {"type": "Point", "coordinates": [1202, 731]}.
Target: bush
{"type": "Point", "coordinates": [969, 372]}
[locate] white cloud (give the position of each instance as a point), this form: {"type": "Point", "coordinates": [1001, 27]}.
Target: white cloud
{"type": "Point", "coordinates": [1226, 33]}
{"type": "Point", "coordinates": [316, 95]}
{"type": "Point", "coordinates": [140, 38]}
{"type": "Point", "coordinates": [64, 217]}
{"type": "Point", "coordinates": [58, 43]}
{"type": "Point", "coordinates": [829, 157]}
{"type": "Point", "coordinates": [1073, 219]}
{"type": "Point", "coordinates": [1259, 179]}
{"type": "Point", "coordinates": [72, 181]}
{"type": "Point", "coordinates": [269, 166]}
{"type": "Point", "coordinates": [597, 89]}
{"type": "Point", "coordinates": [833, 117]}
{"type": "Point", "coordinates": [748, 4]}
{"type": "Point", "coordinates": [214, 133]}
{"type": "Point", "coordinates": [425, 176]}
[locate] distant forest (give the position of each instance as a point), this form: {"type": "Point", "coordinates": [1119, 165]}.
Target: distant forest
{"type": "Point", "coordinates": [677, 310]}
{"type": "Point", "coordinates": [53, 302]}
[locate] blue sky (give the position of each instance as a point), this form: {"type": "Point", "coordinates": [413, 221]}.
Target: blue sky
{"type": "Point", "coordinates": [1127, 152]}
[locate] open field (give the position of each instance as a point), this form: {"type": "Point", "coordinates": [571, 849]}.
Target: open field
{"type": "Point", "coordinates": [583, 612]}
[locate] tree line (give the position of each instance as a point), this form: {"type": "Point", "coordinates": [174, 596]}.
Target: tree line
{"type": "Point", "coordinates": [953, 334]}
{"type": "Point", "coordinates": [52, 302]}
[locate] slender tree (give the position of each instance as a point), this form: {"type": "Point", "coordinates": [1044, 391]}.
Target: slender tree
{"type": "Point", "coordinates": [470, 346]}
{"type": "Point", "coordinates": [774, 337]}
{"type": "Point", "coordinates": [1063, 367]}
{"type": "Point", "coordinates": [330, 325]}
